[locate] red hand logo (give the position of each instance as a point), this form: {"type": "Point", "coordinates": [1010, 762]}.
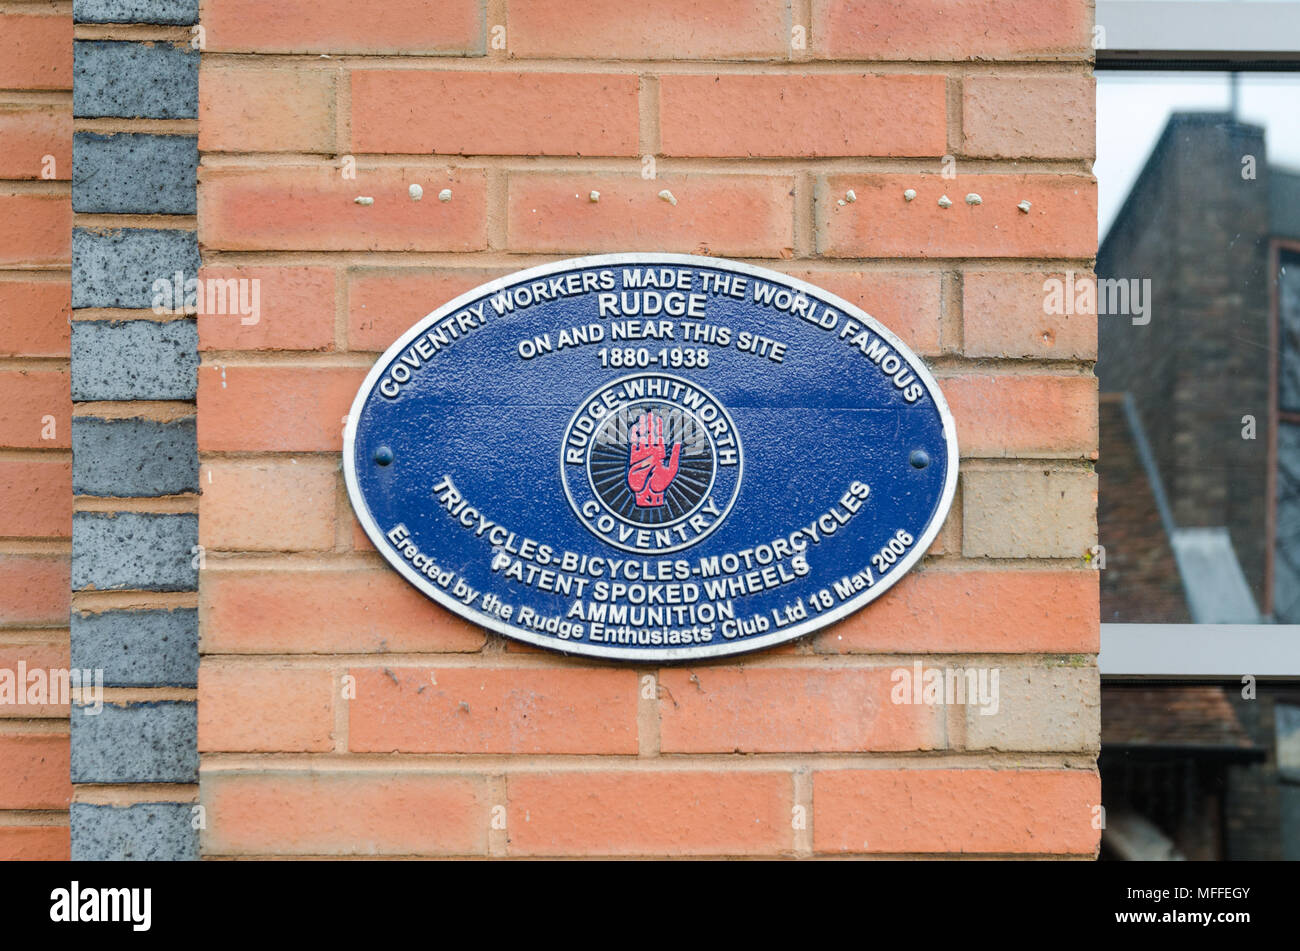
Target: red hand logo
{"type": "Point", "coordinates": [647, 475]}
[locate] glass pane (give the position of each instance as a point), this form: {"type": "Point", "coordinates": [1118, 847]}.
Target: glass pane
{"type": "Point", "coordinates": [1198, 303]}
{"type": "Point", "coordinates": [1200, 772]}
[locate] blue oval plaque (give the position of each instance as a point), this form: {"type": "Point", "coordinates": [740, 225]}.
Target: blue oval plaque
{"type": "Point", "coordinates": [650, 457]}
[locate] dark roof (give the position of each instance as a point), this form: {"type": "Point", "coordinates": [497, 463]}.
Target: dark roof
{"type": "Point", "coordinates": [1140, 582]}
{"type": "Point", "coordinates": [1170, 717]}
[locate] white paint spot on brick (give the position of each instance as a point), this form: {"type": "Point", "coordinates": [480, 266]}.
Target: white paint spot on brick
{"type": "Point", "coordinates": [594, 196]}
{"type": "Point", "coordinates": [364, 200]}
{"type": "Point", "coordinates": [974, 199]}
{"type": "Point", "coordinates": [945, 201]}
{"type": "Point", "coordinates": [1024, 206]}
{"type": "Point", "coordinates": [850, 195]}
{"type": "Point", "coordinates": [416, 192]}
{"type": "Point", "coordinates": [909, 194]}
{"type": "Point", "coordinates": [444, 195]}
{"type": "Point", "coordinates": [668, 196]}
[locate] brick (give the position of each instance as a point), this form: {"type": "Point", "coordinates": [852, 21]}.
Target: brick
{"type": "Point", "coordinates": [36, 497]}
{"type": "Point", "coordinates": [322, 611]}
{"type": "Point", "coordinates": [684, 812]}
{"type": "Point", "coordinates": [1028, 513]}
{"type": "Point", "coordinates": [44, 236]}
{"type": "Point", "coordinates": [384, 303]}
{"type": "Point", "coordinates": [134, 173]}
{"type": "Point", "coordinates": [775, 710]}
{"type": "Point", "coordinates": [261, 710]}
{"type": "Point", "coordinates": [977, 612]}
{"type": "Point", "coordinates": [266, 110]}
{"type": "Point", "coordinates": [34, 657]}
{"type": "Point", "coordinates": [134, 360]}
{"type": "Point", "coordinates": [35, 51]}
{"type": "Point", "coordinates": [345, 813]}
{"type": "Point", "coordinates": [950, 29]}
{"type": "Point", "coordinates": [35, 316]}
{"type": "Point", "coordinates": [171, 12]}
{"type": "Point", "coordinates": [133, 458]}
{"type": "Point", "coordinates": [954, 811]}
{"type": "Point", "coordinates": [1039, 709]}
{"type": "Point", "coordinates": [803, 116]}
{"type": "Point", "coordinates": [143, 832]}
{"type": "Point", "coordinates": [133, 550]}
{"type": "Point", "coordinates": [280, 505]}
{"type": "Point", "coordinates": [34, 405]}
{"type": "Point", "coordinates": [738, 215]}
{"type": "Point", "coordinates": [949, 538]}
{"type": "Point", "coordinates": [277, 409]}
{"type": "Point", "coordinates": [360, 541]}
{"type": "Point", "coordinates": [138, 648]}
{"type": "Point", "coordinates": [1004, 315]}
{"type": "Point", "coordinates": [1050, 416]}
{"type": "Point", "coordinates": [1062, 220]}
{"type": "Point", "coordinates": [150, 80]}
{"type": "Point", "coordinates": [314, 208]}
{"type": "Point", "coordinates": [288, 308]}
{"type": "Point", "coordinates": [119, 267]}
{"type": "Point", "coordinates": [907, 303]}
{"type": "Point", "coordinates": [498, 113]}
{"type": "Point", "coordinates": [30, 133]}
{"type": "Point", "coordinates": [34, 590]}
{"type": "Point", "coordinates": [135, 743]}
{"type": "Point", "coordinates": [34, 844]}
{"type": "Point", "coordinates": [35, 774]}
{"type": "Point", "coordinates": [456, 710]}
{"type": "Point", "coordinates": [661, 29]}
{"type": "Point", "coordinates": [332, 26]}
{"type": "Point", "coordinates": [1029, 116]}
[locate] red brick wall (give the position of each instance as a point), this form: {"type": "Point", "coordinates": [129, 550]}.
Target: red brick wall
{"type": "Point", "coordinates": [35, 416]}
{"type": "Point", "coordinates": [317, 733]}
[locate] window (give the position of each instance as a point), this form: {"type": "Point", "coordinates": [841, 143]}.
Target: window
{"type": "Point", "coordinates": [1198, 302]}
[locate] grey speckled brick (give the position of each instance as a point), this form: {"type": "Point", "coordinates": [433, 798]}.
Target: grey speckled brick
{"type": "Point", "coordinates": [170, 12]}
{"type": "Point", "coordinates": [138, 648]}
{"type": "Point", "coordinates": [134, 360]}
{"type": "Point", "coordinates": [129, 458]}
{"type": "Point", "coordinates": [134, 173]}
{"type": "Point", "coordinates": [145, 832]}
{"type": "Point", "coordinates": [151, 80]}
{"type": "Point", "coordinates": [136, 743]}
{"type": "Point", "coordinates": [118, 267]}
{"type": "Point", "coordinates": [134, 551]}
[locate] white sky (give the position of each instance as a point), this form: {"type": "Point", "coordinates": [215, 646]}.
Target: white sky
{"type": "Point", "coordinates": [1132, 108]}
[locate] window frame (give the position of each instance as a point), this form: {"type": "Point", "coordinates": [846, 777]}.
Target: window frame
{"type": "Point", "coordinates": [1205, 36]}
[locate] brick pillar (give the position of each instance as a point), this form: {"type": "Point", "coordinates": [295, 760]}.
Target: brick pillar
{"type": "Point", "coordinates": [135, 552]}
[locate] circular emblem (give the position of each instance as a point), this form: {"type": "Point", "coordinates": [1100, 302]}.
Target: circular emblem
{"type": "Point", "coordinates": [651, 463]}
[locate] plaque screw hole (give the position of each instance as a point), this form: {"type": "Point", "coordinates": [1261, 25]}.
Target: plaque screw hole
{"type": "Point", "coordinates": [919, 459]}
{"type": "Point", "coordinates": [384, 456]}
